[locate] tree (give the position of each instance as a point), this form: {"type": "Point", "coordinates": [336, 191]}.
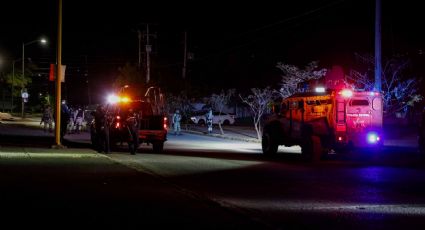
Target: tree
{"type": "Point", "coordinates": [182, 103]}
{"type": "Point", "coordinates": [19, 81]}
{"type": "Point", "coordinates": [399, 87]}
{"type": "Point", "coordinates": [218, 101]}
{"type": "Point", "coordinates": [259, 102]}
{"type": "Point", "coordinates": [293, 76]}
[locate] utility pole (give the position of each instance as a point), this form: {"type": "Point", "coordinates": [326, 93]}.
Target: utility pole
{"type": "Point", "coordinates": [139, 35]}
{"type": "Point", "coordinates": [59, 80]}
{"type": "Point", "coordinates": [148, 49]}
{"type": "Point", "coordinates": [378, 67]}
{"type": "Point", "coordinates": [23, 77]}
{"type": "Point", "coordinates": [184, 56]}
{"type": "Point", "coordinates": [87, 80]}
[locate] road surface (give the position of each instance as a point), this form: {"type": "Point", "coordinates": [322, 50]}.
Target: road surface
{"type": "Point", "coordinates": [205, 182]}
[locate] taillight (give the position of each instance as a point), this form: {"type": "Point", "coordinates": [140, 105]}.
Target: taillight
{"type": "Point", "coordinates": [165, 122]}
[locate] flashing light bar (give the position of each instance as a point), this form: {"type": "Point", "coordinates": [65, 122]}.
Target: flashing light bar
{"type": "Point", "coordinates": [346, 93]}
{"type": "Point", "coordinates": [125, 99]}
{"type": "Point", "coordinates": [319, 89]}
{"type": "Point", "coordinates": [113, 99]}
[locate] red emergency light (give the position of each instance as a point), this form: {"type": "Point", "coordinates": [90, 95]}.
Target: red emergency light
{"type": "Point", "coordinates": [346, 93]}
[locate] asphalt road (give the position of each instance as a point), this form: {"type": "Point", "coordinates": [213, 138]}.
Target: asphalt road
{"type": "Point", "coordinates": [204, 182]}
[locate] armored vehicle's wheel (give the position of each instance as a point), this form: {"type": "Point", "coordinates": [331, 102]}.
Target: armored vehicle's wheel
{"type": "Point", "coordinates": [269, 144]}
{"type": "Point", "coordinates": [312, 148]}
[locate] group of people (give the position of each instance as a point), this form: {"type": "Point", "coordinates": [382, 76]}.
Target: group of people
{"type": "Point", "coordinates": [102, 124]}
{"type": "Point", "coordinates": [71, 119]}
{"type": "Point", "coordinates": [177, 119]}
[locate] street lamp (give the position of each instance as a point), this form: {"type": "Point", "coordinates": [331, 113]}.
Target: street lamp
{"type": "Point", "coordinates": [42, 41]}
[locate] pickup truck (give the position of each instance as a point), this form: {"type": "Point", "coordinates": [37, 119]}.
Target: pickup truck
{"type": "Point", "coordinates": [152, 127]}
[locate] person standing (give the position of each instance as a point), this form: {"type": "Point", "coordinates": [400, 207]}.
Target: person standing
{"type": "Point", "coordinates": [176, 122]}
{"type": "Point", "coordinates": [101, 129]}
{"type": "Point", "coordinates": [65, 116]}
{"type": "Point", "coordinates": [78, 119]}
{"type": "Point", "coordinates": [209, 117]}
{"type": "Point", "coordinates": [132, 121]}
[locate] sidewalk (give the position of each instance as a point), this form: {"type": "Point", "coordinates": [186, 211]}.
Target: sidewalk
{"type": "Point", "coordinates": [34, 122]}
{"type": "Point", "coordinates": [400, 136]}
{"type": "Point", "coordinates": [240, 133]}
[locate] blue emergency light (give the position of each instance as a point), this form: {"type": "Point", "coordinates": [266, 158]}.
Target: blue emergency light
{"type": "Point", "coordinates": [373, 138]}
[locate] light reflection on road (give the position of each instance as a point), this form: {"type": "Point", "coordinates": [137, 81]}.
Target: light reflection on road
{"type": "Point", "coordinates": [208, 143]}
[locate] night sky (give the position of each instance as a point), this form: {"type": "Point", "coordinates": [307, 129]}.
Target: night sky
{"type": "Point", "coordinates": [234, 45]}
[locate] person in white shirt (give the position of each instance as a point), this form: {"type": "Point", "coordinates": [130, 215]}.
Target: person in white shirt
{"type": "Point", "coordinates": [176, 122]}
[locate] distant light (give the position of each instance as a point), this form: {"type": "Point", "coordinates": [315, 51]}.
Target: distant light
{"type": "Point", "coordinates": [43, 41]}
{"type": "Point", "coordinates": [320, 89]}
{"type": "Point", "coordinates": [374, 93]}
{"type": "Point", "coordinates": [339, 138]}
{"type": "Point", "coordinates": [346, 93]}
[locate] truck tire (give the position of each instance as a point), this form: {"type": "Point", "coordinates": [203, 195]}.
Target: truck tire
{"type": "Point", "coordinates": [312, 148]}
{"type": "Point", "coordinates": [268, 143]}
{"type": "Point", "coordinates": [158, 146]}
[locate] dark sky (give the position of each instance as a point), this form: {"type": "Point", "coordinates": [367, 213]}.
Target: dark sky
{"type": "Point", "coordinates": [234, 44]}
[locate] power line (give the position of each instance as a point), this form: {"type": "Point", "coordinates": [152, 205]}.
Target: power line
{"type": "Point", "coordinates": [307, 13]}
{"type": "Point", "coordinates": [292, 18]}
